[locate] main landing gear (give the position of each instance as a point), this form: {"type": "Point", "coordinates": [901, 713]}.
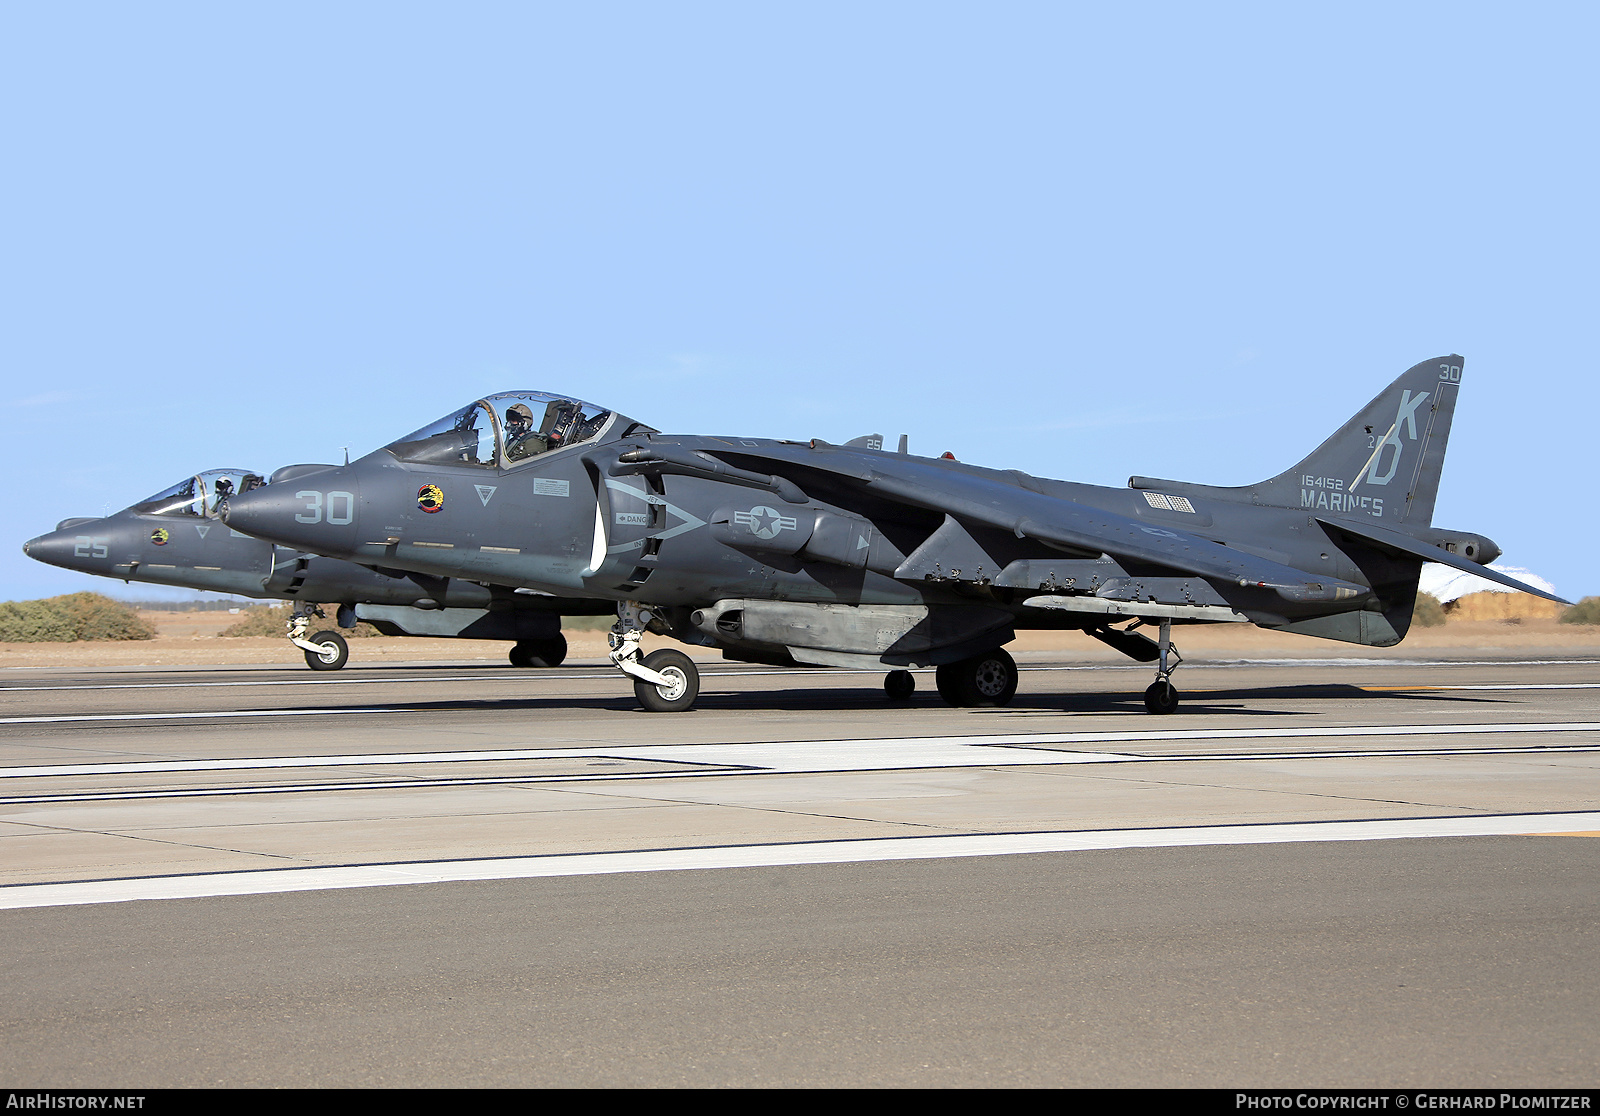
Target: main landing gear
{"type": "Point", "coordinates": [325, 650]}
{"type": "Point", "coordinates": [986, 679]}
{"type": "Point", "coordinates": [540, 652]}
{"type": "Point", "coordinates": [1162, 697]}
{"type": "Point", "coordinates": [899, 685]}
{"type": "Point", "coordinates": [664, 681]}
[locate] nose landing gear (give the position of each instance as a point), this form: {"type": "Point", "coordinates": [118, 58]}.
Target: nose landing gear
{"type": "Point", "coordinates": [325, 650]}
{"type": "Point", "coordinates": [664, 681]}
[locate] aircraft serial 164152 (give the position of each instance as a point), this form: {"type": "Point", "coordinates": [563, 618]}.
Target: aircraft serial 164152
{"type": "Point", "coordinates": [854, 556]}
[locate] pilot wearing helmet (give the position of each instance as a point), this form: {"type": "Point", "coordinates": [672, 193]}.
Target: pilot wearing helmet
{"type": "Point", "coordinates": [522, 440]}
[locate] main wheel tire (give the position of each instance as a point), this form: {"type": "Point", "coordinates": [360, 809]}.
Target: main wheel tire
{"type": "Point", "coordinates": [986, 679]}
{"type": "Point", "coordinates": [899, 685]}
{"type": "Point", "coordinates": [550, 652]}
{"type": "Point", "coordinates": [989, 678]}
{"type": "Point", "coordinates": [947, 679]}
{"type": "Point", "coordinates": [539, 652]}
{"type": "Point", "coordinates": [673, 698]}
{"type": "Point", "coordinates": [1161, 698]}
{"type": "Point", "coordinates": [334, 654]}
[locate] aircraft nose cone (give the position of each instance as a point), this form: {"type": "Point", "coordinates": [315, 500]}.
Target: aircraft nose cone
{"type": "Point", "coordinates": [313, 512]}
{"type": "Point", "coordinates": [262, 512]}
{"type": "Point", "coordinates": [56, 549]}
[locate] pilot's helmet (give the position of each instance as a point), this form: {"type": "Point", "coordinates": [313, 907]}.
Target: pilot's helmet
{"type": "Point", "coordinates": [518, 416]}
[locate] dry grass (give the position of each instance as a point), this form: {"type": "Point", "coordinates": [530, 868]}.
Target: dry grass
{"type": "Point", "coordinates": [1489, 605]}
{"type": "Point", "coordinates": [71, 618]}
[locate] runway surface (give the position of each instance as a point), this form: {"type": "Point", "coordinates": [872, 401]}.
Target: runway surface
{"type": "Point", "coordinates": [1334, 872]}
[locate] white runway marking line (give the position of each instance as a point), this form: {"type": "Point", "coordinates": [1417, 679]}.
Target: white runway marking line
{"type": "Point", "coordinates": [279, 881]}
{"type": "Point", "coordinates": [498, 676]}
{"type": "Point", "coordinates": [192, 716]}
{"type": "Point", "coordinates": [786, 758]}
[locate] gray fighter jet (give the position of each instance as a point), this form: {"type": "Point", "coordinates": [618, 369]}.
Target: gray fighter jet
{"type": "Point", "coordinates": [174, 538]}
{"type": "Point", "coordinates": [855, 556]}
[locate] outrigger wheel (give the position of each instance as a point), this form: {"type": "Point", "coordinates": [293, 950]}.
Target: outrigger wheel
{"type": "Point", "coordinates": [1162, 696]}
{"type": "Point", "coordinates": [986, 679]}
{"type": "Point", "coordinates": [334, 654]}
{"type": "Point", "coordinates": [539, 652]}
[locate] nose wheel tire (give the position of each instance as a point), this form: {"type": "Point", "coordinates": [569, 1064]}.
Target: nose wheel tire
{"type": "Point", "coordinates": [683, 683]}
{"type": "Point", "coordinates": [334, 654]}
{"type": "Point", "coordinates": [899, 685]}
{"type": "Point", "coordinates": [986, 679]}
{"type": "Point", "coordinates": [1161, 697]}
{"type": "Point", "coordinates": [539, 652]}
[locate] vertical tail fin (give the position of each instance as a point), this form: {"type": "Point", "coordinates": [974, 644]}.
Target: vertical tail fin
{"type": "Point", "coordinates": [1385, 462]}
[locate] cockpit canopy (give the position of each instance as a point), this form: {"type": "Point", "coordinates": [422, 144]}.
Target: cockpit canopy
{"type": "Point", "coordinates": [506, 430]}
{"type": "Point", "coordinates": [199, 495]}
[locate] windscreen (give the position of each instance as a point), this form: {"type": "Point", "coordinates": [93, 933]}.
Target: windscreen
{"type": "Point", "coordinates": [182, 498]}
{"type": "Point", "coordinates": [464, 437]}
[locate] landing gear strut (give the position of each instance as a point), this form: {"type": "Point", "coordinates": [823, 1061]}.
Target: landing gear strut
{"type": "Point", "coordinates": [664, 681]}
{"type": "Point", "coordinates": [325, 650]}
{"type": "Point", "coordinates": [1162, 697]}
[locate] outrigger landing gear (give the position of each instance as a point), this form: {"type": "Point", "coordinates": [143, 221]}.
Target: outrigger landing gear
{"type": "Point", "coordinates": [325, 650]}
{"type": "Point", "coordinates": [664, 681]}
{"type": "Point", "coordinates": [1162, 697]}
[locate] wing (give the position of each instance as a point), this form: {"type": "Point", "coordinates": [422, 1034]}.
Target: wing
{"type": "Point", "coordinates": [1027, 514]}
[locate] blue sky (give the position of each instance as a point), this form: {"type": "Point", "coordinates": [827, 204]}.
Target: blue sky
{"type": "Point", "coordinates": [1082, 241]}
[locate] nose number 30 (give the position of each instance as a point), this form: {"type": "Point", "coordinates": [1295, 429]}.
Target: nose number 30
{"type": "Point", "coordinates": [340, 507]}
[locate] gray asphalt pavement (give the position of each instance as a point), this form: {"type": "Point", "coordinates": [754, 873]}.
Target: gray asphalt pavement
{"type": "Point", "coordinates": [1426, 962]}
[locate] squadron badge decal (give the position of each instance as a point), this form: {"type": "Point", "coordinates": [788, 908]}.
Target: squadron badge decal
{"type": "Point", "coordinates": [159, 536]}
{"type": "Point", "coordinates": [430, 498]}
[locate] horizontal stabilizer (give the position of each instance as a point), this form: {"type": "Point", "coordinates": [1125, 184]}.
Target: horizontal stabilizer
{"type": "Point", "coordinates": [1399, 540]}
